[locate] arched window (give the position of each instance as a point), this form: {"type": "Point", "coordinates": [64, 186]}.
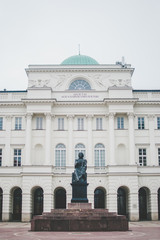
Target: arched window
{"type": "Point", "coordinates": [60, 198]}
{"type": "Point", "coordinates": [60, 155]}
{"type": "Point", "coordinates": [121, 201]}
{"type": "Point", "coordinates": [99, 155]}
{"type": "Point", "coordinates": [79, 84]}
{"type": "Point", "coordinates": [38, 201]}
{"type": "Point", "coordinates": [1, 203]}
{"type": "Point", "coordinates": [143, 206]}
{"type": "Point", "coordinates": [99, 198]}
{"type": "Point", "coordinates": [17, 204]}
{"type": "Point", "coordinates": [79, 148]}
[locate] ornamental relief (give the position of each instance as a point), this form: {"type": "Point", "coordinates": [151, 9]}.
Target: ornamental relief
{"type": "Point", "coordinates": [38, 83]}
{"type": "Point", "coordinates": [58, 81]}
{"type": "Point", "coordinates": [120, 82]}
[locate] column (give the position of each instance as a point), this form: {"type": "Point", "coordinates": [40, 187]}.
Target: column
{"type": "Point", "coordinates": [111, 139]}
{"type": "Point", "coordinates": [70, 141]}
{"type": "Point", "coordinates": [131, 139]}
{"type": "Point", "coordinates": [48, 139]}
{"type": "Point", "coordinates": [153, 160]}
{"type": "Point", "coordinates": [28, 139]}
{"type": "Point", "coordinates": [90, 146]}
{"type": "Point", "coordinates": [7, 142]}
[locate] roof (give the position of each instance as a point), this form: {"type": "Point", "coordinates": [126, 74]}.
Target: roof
{"type": "Point", "coordinates": [79, 60]}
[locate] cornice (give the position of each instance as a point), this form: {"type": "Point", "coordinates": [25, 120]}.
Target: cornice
{"type": "Point", "coordinates": [39, 100]}
{"type": "Point", "coordinates": [148, 102]}
{"type": "Point", "coordinates": [11, 103]}
{"type": "Point", "coordinates": [79, 69]}
{"type": "Point", "coordinates": [79, 103]}
{"type": "Point", "coordinates": [120, 100]}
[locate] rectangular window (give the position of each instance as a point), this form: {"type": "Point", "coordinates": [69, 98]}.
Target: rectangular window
{"type": "Point", "coordinates": [0, 157]}
{"type": "Point", "coordinates": [39, 123]}
{"type": "Point", "coordinates": [120, 123]}
{"type": "Point", "coordinates": [142, 157]}
{"type": "Point", "coordinates": [18, 123]}
{"type": "Point", "coordinates": [17, 157]}
{"type": "Point", "coordinates": [158, 122]}
{"type": "Point", "coordinates": [140, 122]}
{"type": "Point", "coordinates": [60, 123]}
{"type": "Point", "coordinates": [80, 123]}
{"type": "Point", "coordinates": [159, 156]}
{"type": "Point", "coordinates": [98, 123]}
{"type": "Point", "coordinates": [1, 123]}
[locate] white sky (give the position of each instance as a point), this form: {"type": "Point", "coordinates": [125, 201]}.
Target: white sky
{"type": "Point", "coordinates": [48, 31]}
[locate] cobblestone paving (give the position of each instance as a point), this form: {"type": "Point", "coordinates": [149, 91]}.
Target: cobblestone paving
{"type": "Point", "coordinates": [138, 230]}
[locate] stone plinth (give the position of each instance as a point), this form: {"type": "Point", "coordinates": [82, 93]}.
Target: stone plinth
{"type": "Point", "coordinates": [79, 220]}
{"type": "Point", "coordinates": [79, 192]}
{"type": "Point", "coordinates": [80, 205]}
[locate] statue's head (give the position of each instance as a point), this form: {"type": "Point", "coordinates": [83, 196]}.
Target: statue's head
{"type": "Point", "coordinates": [80, 155]}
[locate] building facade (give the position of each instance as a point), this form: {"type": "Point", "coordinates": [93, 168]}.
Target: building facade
{"type": "Point", "coordinates": [80, 106]}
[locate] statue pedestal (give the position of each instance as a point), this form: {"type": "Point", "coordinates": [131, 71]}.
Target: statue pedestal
{"type": "Point", "coordinates": [79, 192]}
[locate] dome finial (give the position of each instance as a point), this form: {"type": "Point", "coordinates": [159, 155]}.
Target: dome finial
{"type": "Point", "coordinates": [79, 49]}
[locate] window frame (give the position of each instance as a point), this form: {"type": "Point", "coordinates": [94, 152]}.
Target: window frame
{"type": "Point", "coordinates": [60, 155]}
{"type": "Point", "coordinates": [18, 123]}
{"type": "Point", "coordinates": [80, 147]}
{"type": "Point", "coordinates": [141, 123]}
{"type": "Point", "coordinates": [99, 123]}
{"type": "Point", "coordinates": [1, 123]}
{"type": "Point", "coordinates": [61, 124]}
{"type": "Point", "coordinates": [79, 84]}
{"type": "Point", "coordinates": [120, 122]}
{"type": "Point", "coordinates": [1, 157]}
{"type": "Point", "coordinates": [99, 155]}
{"type": "Point", "coordinates": [39, 123]}
{"type": "Point", "coordinates": [17, 158]}
{"type": "Point", "coordinates": [159, 156]}
{"type": "Point", "coordinates": [80, 124]}
{"type": "Point", "coordinates": [158, 122]}
{"type": "Point", "coordinates": [142, 157]}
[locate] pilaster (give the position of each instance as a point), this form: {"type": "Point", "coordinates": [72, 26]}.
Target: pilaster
{"type": "Point", "coordinates": [90, 145]}
{"type": "Point", "coordinates": [111, 139]}
{"type": "Point", "coordinates": [154, 207]}
{"type": "Point", "coordinates": [48, 139]}
{"type": "Point", "coordinates": [152, 140]}
{"type": "Point", "coordinates": [26, 207]}
{"type": "Point", "coordinates": [28, 139]}
{"type": "Point", "coordinates": [70, 140]}
{"type": "Point", "coordinates": [6, 211]}
{"type": "Point", "coordinates": [8, 141]}
{"type": "Point", "coordinates": [131, 139]}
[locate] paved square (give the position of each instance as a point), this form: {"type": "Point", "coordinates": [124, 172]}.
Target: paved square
{"type": "Point", "coordinates": [138, 230]}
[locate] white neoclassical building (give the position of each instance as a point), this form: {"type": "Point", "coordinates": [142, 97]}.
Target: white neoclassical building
{"type": "Point", "coordinates": [80, 106]}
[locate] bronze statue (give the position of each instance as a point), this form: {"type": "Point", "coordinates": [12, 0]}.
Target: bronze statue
{"type": "Point", "coordinates": [79, 174]}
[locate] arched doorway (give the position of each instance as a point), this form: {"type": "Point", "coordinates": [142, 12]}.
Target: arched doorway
{"type": "Point", "coordinates": [99, 198]}
{"type": "Point", "coordinates": [17, 204]}
{"type": "Point", "coordinates": [1, 203]}
{"type": "Point", "coordinates": [60, 198]}
{"type": "Point", "coordinates": [38, 201]}
{"type": "Point", "coordinates": [159, 203]}
{"type": "Point", "coordinates": [122, 201]}
{"type": "Point", "coordinates": [143, 204]}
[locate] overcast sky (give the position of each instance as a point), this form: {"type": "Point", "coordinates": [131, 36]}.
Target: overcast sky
{"type": "Point", "coordinates": [48, 31]}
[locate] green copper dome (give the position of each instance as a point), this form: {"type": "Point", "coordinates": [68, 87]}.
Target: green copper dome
{"type": "Point", "coordinates": [79, 60]}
